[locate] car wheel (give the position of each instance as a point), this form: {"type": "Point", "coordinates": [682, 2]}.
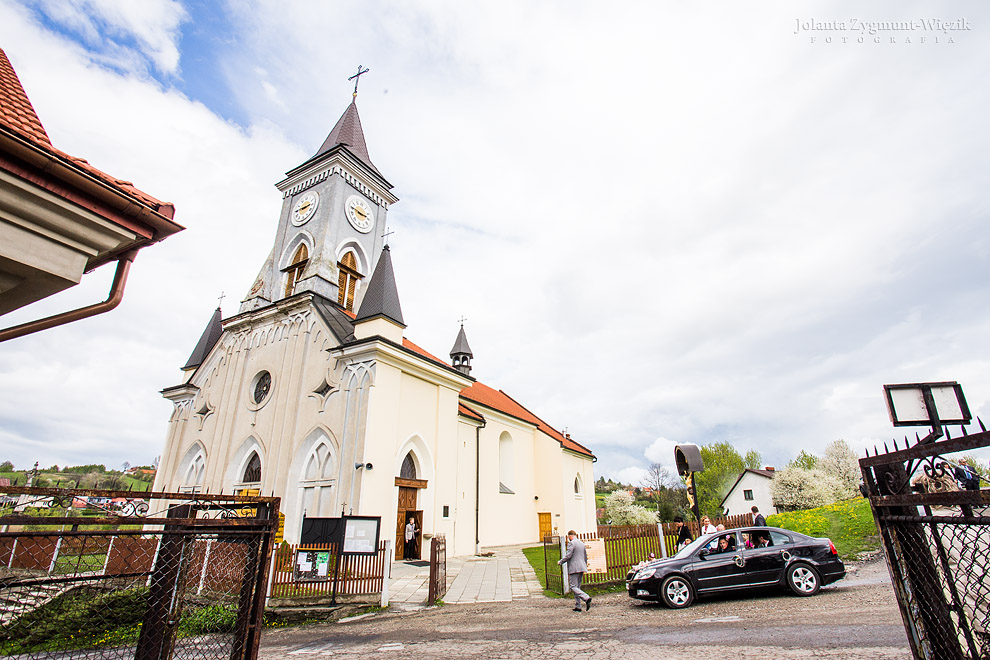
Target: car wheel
{"type": "Point", "coordinates": [676, 592]}
{"type": "Point", "coordinates": [803, 580]}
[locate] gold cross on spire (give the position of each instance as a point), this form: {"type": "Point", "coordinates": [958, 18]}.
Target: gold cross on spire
{"type": "Point", "coordinates": [357, 78]}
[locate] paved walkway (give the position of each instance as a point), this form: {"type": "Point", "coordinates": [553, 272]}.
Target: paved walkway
{"type": "Point", "coordinates": [504, 576]}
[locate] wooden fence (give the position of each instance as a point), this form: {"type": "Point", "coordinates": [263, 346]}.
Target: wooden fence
{"type": "Point", "coordinates": [358, 574]}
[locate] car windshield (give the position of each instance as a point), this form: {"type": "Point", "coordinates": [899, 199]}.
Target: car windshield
{"type": "Point", "coordinates": [691, 547]}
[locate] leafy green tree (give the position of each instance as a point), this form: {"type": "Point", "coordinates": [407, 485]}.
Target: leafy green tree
{"type": "Point", "coordinates": [804, 460]}
{"type": "Point", "coordinates": [6, 466]}
{"type": "Point", "coordinates": [753, 460]}
{"type": "Point", "coordinates": [723, 464]}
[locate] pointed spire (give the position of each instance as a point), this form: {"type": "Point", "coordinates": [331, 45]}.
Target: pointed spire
{"type": "Point", "coordinates": [460, 354]}
{"type": "Point", "coordinates": [382, 297]}
{"type": "Point", "coordinates": [206, 343]}
{"type": "Point", "coordinates": [347, 132]}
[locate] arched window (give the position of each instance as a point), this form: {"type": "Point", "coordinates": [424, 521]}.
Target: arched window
{"type": "Point", "coordinates": [252, 471]}
{"type": "Point", "coordinates": [320, 464]}
{"type": "Point", "coordinates": [317, 481]}
{"type": "Point", "coordinates": [408, 469]}
{"type": "Point", "coordinates": [506, 465]}
{"type": "Point", "coordinates": [577, 486]}
{"type": "Point", "coordinates": [195, 471]}
{"type": "Point", "coordinates": [347, 280]}
{"type": "Point", "coordinates": [295, 270]}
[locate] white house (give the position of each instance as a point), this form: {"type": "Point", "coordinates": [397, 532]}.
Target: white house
{"type": "Point", "coordinates": [752, 488]}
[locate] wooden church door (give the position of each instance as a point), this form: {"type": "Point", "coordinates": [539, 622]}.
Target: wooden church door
{"type": "Point", "coordinates": [546, 525]}
{"type": "Point", "coordinates": [407, 510]}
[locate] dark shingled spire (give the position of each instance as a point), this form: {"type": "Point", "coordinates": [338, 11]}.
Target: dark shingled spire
{"type": "Point", "coordinates": [382, 297]}
{"type": "Point", "coordinates": [348, 132]}
{"type": "Point", "coordinates": [460, 354]}
{"type": "Point", "coordinates": [461, 345]}
{"type": "Point", "coordinates": [206, 343]}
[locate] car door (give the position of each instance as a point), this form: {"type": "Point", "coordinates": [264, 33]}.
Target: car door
{"type": "Point", "coordinates": [766, 564]}
{"type": "Point", "coordinates": [716, 570]}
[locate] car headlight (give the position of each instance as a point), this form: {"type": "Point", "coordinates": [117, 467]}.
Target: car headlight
{"type": "Point", "coordinates": [644, 573]}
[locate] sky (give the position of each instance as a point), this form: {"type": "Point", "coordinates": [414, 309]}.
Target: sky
{"type": "Point", "coordinates": [664, 222]}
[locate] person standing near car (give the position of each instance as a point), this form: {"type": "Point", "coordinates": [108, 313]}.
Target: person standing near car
{"type": "Point", "coordinates": [683, 533]}
{"type": "Point", "coordinates": [758, 519]}
{"type": "Point", "coordinates": [966, 476]}
{"type": "Point", "coordinates": [576, 559]}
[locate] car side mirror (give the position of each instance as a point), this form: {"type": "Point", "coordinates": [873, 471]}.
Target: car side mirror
{"type": "Point", "coordinates": [704, 552]}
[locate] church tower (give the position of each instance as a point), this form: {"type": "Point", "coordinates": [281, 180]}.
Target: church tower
{"type": "Point", "coordinates": [330, 230]}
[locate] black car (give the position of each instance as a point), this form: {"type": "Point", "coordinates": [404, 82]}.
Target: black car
{"type": "Point", "coordinates": [745, 558]}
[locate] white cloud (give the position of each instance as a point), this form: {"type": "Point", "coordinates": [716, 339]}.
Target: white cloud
{"type": "Point", "coordinates": [153, 24]}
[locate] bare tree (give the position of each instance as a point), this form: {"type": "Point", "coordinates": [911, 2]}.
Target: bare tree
{"type": "Point", "coordinates": [658, 479]}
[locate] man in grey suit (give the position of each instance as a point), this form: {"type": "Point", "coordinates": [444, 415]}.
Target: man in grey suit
{"type": "Point", "coordinates": [576, 559]}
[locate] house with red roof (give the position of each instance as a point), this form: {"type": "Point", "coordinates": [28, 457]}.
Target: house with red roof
{"type": "Point", "coordinates": [314, 393]}
{"type": "Point", "coordinates": [61, 217]}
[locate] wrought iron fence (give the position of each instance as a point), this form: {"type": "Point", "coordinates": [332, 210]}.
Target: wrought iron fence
{"type": "Point", "coordinates": [186, 580]}
{"type": "Point", "coordinates": [438, 568]}
{"type": "Point", "coordinates": [937, 543]}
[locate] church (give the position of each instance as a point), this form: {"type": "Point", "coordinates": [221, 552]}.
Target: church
{"type": "Point", "coordinates": [314, 394]}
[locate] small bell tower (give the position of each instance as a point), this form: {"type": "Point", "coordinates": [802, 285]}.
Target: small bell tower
{"type": "Point", "coordinates": [460, 354]}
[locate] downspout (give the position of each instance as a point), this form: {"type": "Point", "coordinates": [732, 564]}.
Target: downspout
{"type": "Point", "coordinates": [114, 299]}
{"type": "Point", "coordinates": [477, 487]}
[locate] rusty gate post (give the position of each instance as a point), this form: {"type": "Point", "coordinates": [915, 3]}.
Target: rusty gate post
{"type": "Point", "coordinates": [157, 639]}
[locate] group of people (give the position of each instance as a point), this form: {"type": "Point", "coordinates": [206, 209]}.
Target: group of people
{"type": "Point", "coordinates": [684, 534]}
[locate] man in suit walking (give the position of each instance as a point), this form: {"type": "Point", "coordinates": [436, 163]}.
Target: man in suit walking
{"type": "Point", "coordinates": [576, 559]}
{"type": "Point", "coordinates": [758, 519]}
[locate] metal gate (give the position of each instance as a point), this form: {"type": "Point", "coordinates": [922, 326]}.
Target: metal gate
{"type": "Point", "coordinates": [84, 574]}
{"type": "Point", "coordinates": [937, 541]}
{"type": "Point", "coordinates": [438, 569]}
{"type": "Point", "coordinates": [551, 569]}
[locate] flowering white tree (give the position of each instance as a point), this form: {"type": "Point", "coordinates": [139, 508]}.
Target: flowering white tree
{"type": "Point", "coordinates": [620, 510]}
{"type": "Point", "coordinates": [841, 462]}
{"type": "Point", "coordinates": [799, 488]}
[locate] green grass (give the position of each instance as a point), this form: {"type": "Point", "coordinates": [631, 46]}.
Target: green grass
{"type": "Point", "coordinates": [848, 524]}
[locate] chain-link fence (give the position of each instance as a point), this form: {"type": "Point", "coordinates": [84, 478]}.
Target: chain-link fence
{"type": "Point", "coordinates": [185, 581]}
{"type": "Point", "coordinates": [937, 540]}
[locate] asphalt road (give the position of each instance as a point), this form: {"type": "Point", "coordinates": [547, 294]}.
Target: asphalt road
{"type": "Point", "coordinates": [857, 618]}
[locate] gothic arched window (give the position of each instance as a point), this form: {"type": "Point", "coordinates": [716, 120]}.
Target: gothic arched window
{"type": "Point", "coordinates": [252, 471]}
{"type": "Point", "coordinates": [347, 280]}
{"type": "Point", "coordinates": [295, 270]}
{"type": "Point", "coordinates": [408, 469]}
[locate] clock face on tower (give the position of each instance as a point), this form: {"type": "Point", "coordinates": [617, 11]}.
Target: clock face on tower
{"type": "Point", "coordinates": [359, 214]}
{"type": "Point", "coordinates": [305, 208]}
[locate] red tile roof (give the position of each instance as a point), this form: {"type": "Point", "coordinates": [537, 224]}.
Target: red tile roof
{"type": "Point", "coordinates": [499, 400]}
{"type": "Point", "coordinates": [16, 110]}
{"type": "Point", "coordinates": [468, 412]}
{"type": "Point", "coordinates": [18, 118]}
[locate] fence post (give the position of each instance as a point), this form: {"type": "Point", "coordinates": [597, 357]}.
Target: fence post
{"type": "Point", "coordinates": [663, 540]}
{"type": "Point", "coordinates": [106, 560]}
{"type": "Point", "coordinates": [563, 567]}
{"type": "Point", "coordinates": [58, 546]}
{"type": "Point", "coordinates": [386, 571]}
